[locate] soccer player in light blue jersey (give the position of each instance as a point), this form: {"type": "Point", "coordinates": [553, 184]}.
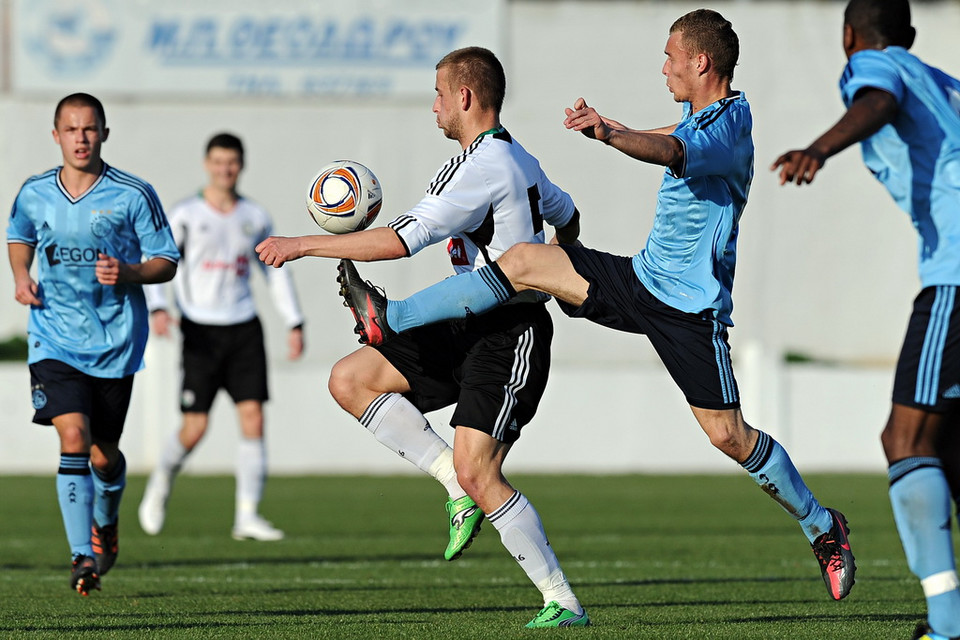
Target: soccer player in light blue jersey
{"type": "Point", "coordinates": [98, 234]}
{"type": "Point", "coordinates": [906, 116]}
{"type": "Point", "coordinates": [677, 290]}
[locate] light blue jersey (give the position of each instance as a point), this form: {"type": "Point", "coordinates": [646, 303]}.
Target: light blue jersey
{"type": "Point", "coordinates": [917, 156]}
{"type": "Point", "coordinates": [98, 329]}
{"type": "Point", "coordinates": [690, 256]}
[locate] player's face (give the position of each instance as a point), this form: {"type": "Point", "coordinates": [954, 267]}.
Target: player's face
{"type": "Point", "coordinates": [223, 168]}
{"type": "Point", "coordinates": [80, 133]}
{"type": "Point", "coordinates": [680, 69]}
{"type": "Point", "coordinates": [447, 106]}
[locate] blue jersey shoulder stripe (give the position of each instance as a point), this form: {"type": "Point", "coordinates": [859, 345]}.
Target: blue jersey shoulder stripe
{"type": "Point", "coordinates": [40, 176]}
{"type": "Point", "coordinates": [706, 119]}
{"type": "Point", "coordinates": [153, 201]}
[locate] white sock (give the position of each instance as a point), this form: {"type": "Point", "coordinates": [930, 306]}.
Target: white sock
{"type": "Point", "coordinates": [172, 455]}
{"type": "Point", "coordinates": [171, 460]}
{"type": "Point", "coordinates": [521, 532]}
{"type": "Point", "coordinates": [251, 475]}
{"type": "Point", "coordinates": [399, 426]}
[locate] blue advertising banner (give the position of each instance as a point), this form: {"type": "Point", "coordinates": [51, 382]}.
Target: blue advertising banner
{"type": "Point", "coordinates": [235, 47]}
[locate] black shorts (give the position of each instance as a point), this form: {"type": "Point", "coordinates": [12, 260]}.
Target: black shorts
{"type": "Point", "coordinates": [928, 370]}
{"type": "Point", "coordinates": [230, 357]}
{"type": "Point", "coordinates": [56, 389]}
{"type": "Point", "coordinates": [494, 366]}
{"type": "Point", "coordinates": [693, 347]}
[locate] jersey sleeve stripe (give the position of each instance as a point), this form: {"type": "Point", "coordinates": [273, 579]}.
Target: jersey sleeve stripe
{"type": "Point", "coordinates": [401, 221]}
{"type": "Point", "coordinates": [447, 172]}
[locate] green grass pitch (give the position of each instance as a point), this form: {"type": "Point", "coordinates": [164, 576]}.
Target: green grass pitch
{"type": "Point", "coordinates": [650, 556]}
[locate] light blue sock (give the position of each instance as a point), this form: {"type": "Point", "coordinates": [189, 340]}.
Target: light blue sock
{"type": "Point", "coordinates": [771, 468]}
{"type": "Point", "coordinates": [920, 499]}
{"type": "Point", "coordinates": [107, 493]}
{"type": "Point", "coordinates": [75, 494]}
{"type": "Point", "coordinates": [456, 297]}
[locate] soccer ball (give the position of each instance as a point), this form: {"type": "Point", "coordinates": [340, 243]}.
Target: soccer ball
{"type": "Point", "coordinates": [344, 196]}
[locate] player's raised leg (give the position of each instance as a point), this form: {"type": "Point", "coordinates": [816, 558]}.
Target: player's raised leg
{"type": "Point", "coordinates": [771, 468]}
{"type": "Point", "coordinates": [370, 389]}
{"type": "Point", "coordinates": [524, 266]}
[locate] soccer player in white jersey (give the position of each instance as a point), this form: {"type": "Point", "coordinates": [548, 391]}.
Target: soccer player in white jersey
{"type": "Point", "coordinates": [677, 290]}
{"type": "Point", "coordinates": [494, 368]}
{"type": "Point", "coordinates": [98, 234]}
{"type": "Point", "coordinates": [223, 346]}
{"type": "Point", "coordinates": [906, 115]}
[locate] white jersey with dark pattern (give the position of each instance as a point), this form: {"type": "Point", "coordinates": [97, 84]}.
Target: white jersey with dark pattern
{"type": "Point", "coordinates": [485, 200]}
{"type": "Point", "coordinates": [212, 284]}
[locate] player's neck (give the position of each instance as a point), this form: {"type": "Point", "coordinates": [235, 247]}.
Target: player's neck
{"type": "Point", "coordinates": [223, 200]}
{"type": "Point", "coordinates": [78, 181]}
{"type": "Point", "coordinates": [711, 94]}
{"type": "Point", "coordinates": [476, 128]}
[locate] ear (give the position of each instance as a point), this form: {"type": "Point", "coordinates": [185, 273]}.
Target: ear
{"type": "Point", "coordinates": [56, 136]}
{"type": "Point", "coordinates": [849, 39]}
{"type": "Point", "coordinates": [106, 134]}
{"type": "Point", "coordinates": [911, 36]}
{"type": "Point", "coordinates": [703, 63]}
{"type": "Point", "coordinates": [466, 98]}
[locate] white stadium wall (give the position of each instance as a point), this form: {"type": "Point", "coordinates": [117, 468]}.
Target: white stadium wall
{"type": "Point", "coordinates": [827, 271]}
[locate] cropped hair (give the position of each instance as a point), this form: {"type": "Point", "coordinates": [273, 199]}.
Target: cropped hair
{"type": "Point", "coordinates": [706, 31]}
{"type": "Point", "coordinates": [481, 71]}
{"type": "Point", "coordinates": [226, 141]}
{"type": "Point", "coordinates": [881, 22]}
{"type": "Point", "coordinates": [81, 100]}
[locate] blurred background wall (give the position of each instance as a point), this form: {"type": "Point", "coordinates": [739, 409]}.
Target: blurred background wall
{"type": "Point", "coordinates": [826, 273]}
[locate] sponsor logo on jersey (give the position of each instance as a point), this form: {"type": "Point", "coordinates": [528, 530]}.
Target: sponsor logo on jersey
{"type": "Point", "coordinates": [241, 265]}
{"type": "Point", "coordinates": [57, 254]}
{"type": "Point", "coordinates": [457, 252]}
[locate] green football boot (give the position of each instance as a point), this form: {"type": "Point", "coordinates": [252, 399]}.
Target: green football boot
{"type": "Point", "coordinates": [553, 615]}
{"type": "Point", "coordinates": [465, 519]}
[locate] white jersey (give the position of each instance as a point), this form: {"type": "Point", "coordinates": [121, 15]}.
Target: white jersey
{"type": "Point", "coordinates": [212, 284]}
{"type": "Point", "coordinates": [485, 200]}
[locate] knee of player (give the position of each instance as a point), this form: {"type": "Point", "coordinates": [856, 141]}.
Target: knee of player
{"type": "Point", "coordinates": [730, 442]}
{"type": "Point", "coordinates": [344, 384]}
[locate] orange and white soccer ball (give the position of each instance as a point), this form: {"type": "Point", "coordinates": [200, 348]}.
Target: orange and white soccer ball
{"type": "Point", "coordinates": [344, 196]}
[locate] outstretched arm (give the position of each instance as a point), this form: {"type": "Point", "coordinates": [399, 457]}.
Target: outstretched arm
{"type": "Point", "coordinates": [369, 245]}
{"type": "Point", "coordinates": [655, 146]}
{"type": "Point", "coordinates": [870, 111]}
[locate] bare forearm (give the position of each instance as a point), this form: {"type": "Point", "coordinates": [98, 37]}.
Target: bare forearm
{"type": "Point", "coordinates": [21, 258]}
{"type": "Point", "coordinates": [867, 115]}
{"type": "Point", "coordinates": [370, 245]}
{"type": "Point", "coordinates": [152, 271]}
{"type": "Point", "coordinates": [655, 148]}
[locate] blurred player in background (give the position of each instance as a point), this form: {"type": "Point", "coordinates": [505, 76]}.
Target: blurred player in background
{"type": "Point", "coordinates": [494, 368]}
{"type": "Point", "coordinates": [223, 346]}
{"type": "Point", "coordinates": [100, 234]}
{"type": "Point", "coordinates": [906, 115]}
{"type": "Point", "coordinates": [677, 290]}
